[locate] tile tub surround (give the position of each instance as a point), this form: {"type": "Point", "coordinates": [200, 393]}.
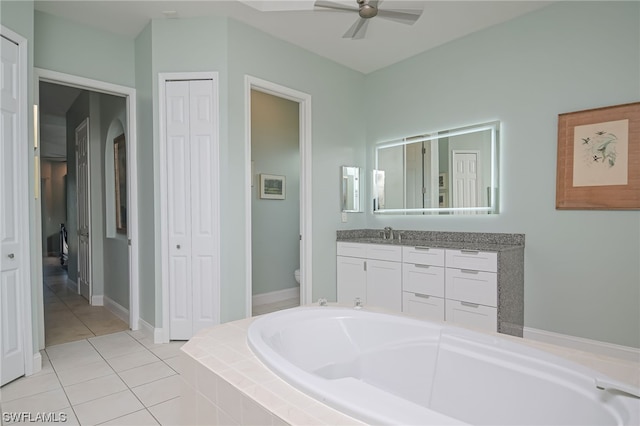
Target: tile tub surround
{"type": "Point", "coordinates": [510, 249]}
{"type": "Point", "coordinates": [225, 383]}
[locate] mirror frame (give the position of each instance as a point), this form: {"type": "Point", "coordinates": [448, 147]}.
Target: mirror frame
{"type": "Point", "coordinates": [492, 208]}
{"type": "Point", "coordinates": [344, 193]}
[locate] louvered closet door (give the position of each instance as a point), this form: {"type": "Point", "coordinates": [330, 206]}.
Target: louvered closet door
{"type": "Point", "coordinates": [193, 263]}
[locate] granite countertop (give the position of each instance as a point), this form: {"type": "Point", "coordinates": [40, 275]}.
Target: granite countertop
{"type": "Point", "coordinates": [478, 241]}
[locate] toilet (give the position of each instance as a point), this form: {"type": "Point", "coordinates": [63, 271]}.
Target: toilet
{"type": "Point", "coordinates": [296, 274]}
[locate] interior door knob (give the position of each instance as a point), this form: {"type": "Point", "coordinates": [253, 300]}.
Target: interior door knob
{"type": "Point", "coordinates": [11, 256]}
{"type": "Point", "coordinates": [178, 246]}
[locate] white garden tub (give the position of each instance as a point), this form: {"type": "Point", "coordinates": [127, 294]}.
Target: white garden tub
{"type": "Point", "coordinates": [387, 369]}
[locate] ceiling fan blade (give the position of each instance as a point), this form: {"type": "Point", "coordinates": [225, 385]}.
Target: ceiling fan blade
{"type": "Point", "coordinates": [404, 16]}
{"type": "Point", "coordinates": [357, 30]}
{"type": "Point", "coordinates": [335, 6]}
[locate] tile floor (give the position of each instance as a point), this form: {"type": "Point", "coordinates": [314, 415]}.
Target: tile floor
{"type": "Point", "coordinates": [276, 306]}
{"type": "Point", "coordinates": [67, 315]}
{"type": "Point", "coordinates": [116, 379]}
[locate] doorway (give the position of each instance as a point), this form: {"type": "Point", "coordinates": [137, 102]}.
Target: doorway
{"type": "Point", "coordinates": [108, 303]}
{"type": "Point", "coordinates": [272, 163]}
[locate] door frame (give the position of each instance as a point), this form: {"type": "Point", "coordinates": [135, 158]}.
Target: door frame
{"type": "Point", "coordinates": [304, 102]}
{"type": "Point", "coordinates": [129, 93]}
{"type": "Point", "coordinates": [162, 334]}
{"type": "Point", "coordinates": [27, 155]}
{"type": "Point", "coordinates": [454, 153]}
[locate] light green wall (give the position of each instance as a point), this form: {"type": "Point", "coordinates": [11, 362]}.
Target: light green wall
{"type": "Point", "coordinates": [275, 223]}
{"type": "Point", "coordinates": [69, 47]}
{"type": "Point", "coordinates": [338, 139]}
{"type": "Point", "coordinates": [146, 176]}
{"type": "Point", "coordinates": [581, 267]}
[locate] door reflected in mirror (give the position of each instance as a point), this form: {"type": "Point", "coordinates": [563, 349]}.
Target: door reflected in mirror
{"type": "Point", "coordinates": [351, 189]}
{"type": "Point", "coordinates": [443, 172]}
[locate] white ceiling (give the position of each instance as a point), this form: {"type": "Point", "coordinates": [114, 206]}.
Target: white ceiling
{"type": "Point", "coordinates": [318, 31]}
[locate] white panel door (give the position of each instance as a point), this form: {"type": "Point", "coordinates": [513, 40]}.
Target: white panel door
{"type": "Point", "coordinates": [465, 180]}
{"type": "Point", "coordinates": [192, 207]}
{"type": "Point", "coordinates": [12, 278]}
{"type": "Point", "coordinates": [84, 213]}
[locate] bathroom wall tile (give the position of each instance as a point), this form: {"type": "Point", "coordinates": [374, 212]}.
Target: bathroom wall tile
{"type": "Point", "coordinates": [288, 393]}
{"type": "Point", "coordinates": [236, 378]}
{"type": "Point", "coordinates": [225, 419]}
{"type": "Point", "coordinates": [296, 416]}
{"type": "Point", "coordinates": [207, 383]}
{"type": "Point", "coordinates": [255, 370]}
{"type": "Point", "coordinates": [213, 364]}
{"type": "Point", "coordinates": [188, 369]}
{"type": "Point", "coordinates": [206, 412]}
{"type": "Point", "coordinates": [230, 400]}
{"type": "Point", "coordinates": [227, 355]}
{"type": "Point", "coordinates": [331, 416]}
{"type": "Point", "coordinates": [253, 414]}
{"type": "Point", "coordinates": [265, 397]}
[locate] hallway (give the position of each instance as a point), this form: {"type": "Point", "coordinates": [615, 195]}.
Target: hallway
{"type": "Point", "coordinates": [67, 315]}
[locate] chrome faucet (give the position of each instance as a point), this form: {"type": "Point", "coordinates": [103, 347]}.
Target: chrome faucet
{"type": "Point", "coordinates": [388, 230]}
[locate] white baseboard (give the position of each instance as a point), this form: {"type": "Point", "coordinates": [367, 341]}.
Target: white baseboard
{"type": "Point", "coordinates": [157, 334]}
{"type": "Point", "coordinates": [593, 346]}
{"type": "Point", "coordinates": [37, 363]}
{"type": "Point", "coordinates": [276, 296]}
{"type": "Point", "coordinates": [98, 301]}
{"type": "Point", "coordinates": [116, 309]}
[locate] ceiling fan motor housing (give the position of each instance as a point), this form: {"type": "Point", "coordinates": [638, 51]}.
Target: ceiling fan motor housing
{"type": "Point", "coordinates": [366, 11]}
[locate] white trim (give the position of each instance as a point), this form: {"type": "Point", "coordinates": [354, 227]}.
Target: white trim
{"type": "Point", "coordinates": [129, 94]}
{"type": "Point", "coordinates": [587, 345]}
{"type": "Point", "coordinates": [25, 156]}
{"type": "Point", "coordinates": [161, 335]}
{"type": "Point", "coordinates": [116, 309]}
{"type": "Point", "coordinates": [276, 296]}
{"type": "Point", "coordinates": [97, 300]}
{"type": "Point", "coordinates": [85, 124]}
{"type": "Point", "coordinates": [148, 330]}
{"type": "Point", "coordinates": [304, 102]}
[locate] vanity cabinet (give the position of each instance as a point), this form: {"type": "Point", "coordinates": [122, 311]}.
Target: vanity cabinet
{"type": "Point", "coordinates": [423, 282]}
{"type": "Point", "coordinates": [471, 286]}
{"type": "Point", "coordinates": [371, 272]}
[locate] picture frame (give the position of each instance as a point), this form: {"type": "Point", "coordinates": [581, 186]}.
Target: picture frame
{"type": "Point", "coordinates": [120, 175]}
{"type": "Point", "coordinates": [442, 181]}
{"type": "Point", "coordinates": [272, 187]}
{"type": "Point", "coordinates": [598, 157]}
{"type": "Point", "coordinates": [443, 200]}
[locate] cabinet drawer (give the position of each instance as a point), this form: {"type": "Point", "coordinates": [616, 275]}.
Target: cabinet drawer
{"type": "Point", "coordinates": [470, 315]}
{"type": "Point", "coordinates": [423, 255]}
{"type": "Point", "coordinates": [423, 279]}
{"type": "Point", "coordinates": [423, 306]}
{"type": "Point", "coordinates": [352, 250]}
{"type": "Point", "coordinates": [470, 259]}
{"type": "Point", "coordinates": [472, 286]}
{"type": "Point", "coordinates": [384, 252]}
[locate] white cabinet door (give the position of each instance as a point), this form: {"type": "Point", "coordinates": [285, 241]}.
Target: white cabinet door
{"type": "Point", "coordinates": [351, 279]}
{"type": "Point", "coordinates": [384, 284]}
{"type": "Point", "coordinates": [424, 306]}
{"type": "Point", "coordinates": [471, 315]}
{"type": "Point", "coordinates": [192, 207]}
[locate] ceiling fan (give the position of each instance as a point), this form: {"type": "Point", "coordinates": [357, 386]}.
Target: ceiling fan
{"type": "Point", "coordinates": [367, 9]}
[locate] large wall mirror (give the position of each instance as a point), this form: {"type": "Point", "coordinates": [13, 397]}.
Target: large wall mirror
{"type": "Point", "coordinates": [443, 172]}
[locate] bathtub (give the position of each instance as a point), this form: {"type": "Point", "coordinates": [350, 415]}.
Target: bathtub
{"type": "Point", "coordinates": [395, 370]}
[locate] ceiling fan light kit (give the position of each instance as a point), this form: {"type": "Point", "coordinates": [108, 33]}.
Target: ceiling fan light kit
{"type": "Point", "coordinates": [368, 9]}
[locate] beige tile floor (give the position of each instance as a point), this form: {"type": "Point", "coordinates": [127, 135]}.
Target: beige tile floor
{"type": "Point", "coordinates": [67, 315]}
{"type": "Point", "coordinates": [116, 379]}
{"type": "Point", "coordinates": [276, 306]}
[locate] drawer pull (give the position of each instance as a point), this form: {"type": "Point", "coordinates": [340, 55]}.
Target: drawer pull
{"type": "Point", "coordinates": [469, 251]}
{"type": "Point", "coordinates": [423, 296]}
{"type": "Point", "coordinates": [422, 248]}
{"type": "Point", "coordinates": [469, 271]}
{"type": "Point", "coordinates": [469, 305]}
{"type": "Point", "coordinates": [417, 265]}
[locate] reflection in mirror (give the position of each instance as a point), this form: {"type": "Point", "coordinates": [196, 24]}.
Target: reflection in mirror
{"type": "Point", "coordinates": [351, 189]}
{"type": "Point", "coordinates": [444, 172]}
